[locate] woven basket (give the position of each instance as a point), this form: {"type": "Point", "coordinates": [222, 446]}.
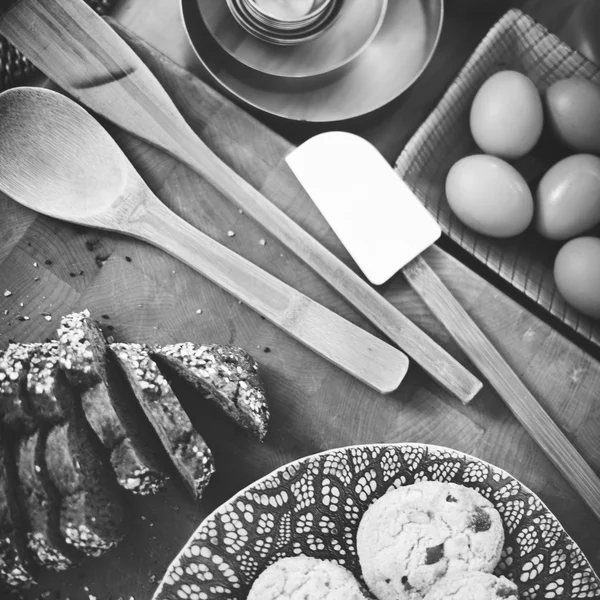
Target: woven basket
{"type": "Point", "coordinates": [526, 261]}
{"type": "Point", "coordinates": [15, 69]}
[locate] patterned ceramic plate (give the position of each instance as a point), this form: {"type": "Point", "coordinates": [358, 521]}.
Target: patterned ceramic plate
{"type": "Point", "coordinates": [313, 506]}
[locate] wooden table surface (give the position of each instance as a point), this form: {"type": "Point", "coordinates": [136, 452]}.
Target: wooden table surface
{"type": "Point", "coordinates": [148, 296]}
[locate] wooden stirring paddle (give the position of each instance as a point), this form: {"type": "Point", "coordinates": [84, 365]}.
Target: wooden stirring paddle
{"type": "Point", "coordinates": [79, 51]}
{"type": "Point", "coordinates": [55, 158]}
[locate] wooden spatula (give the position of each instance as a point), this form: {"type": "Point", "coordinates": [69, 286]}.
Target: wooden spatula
{"type": "Point", "coordinates": [377, 217]}
{"type": "Point", "coordinates": [78, 50]}
{"type": "Point", "coordinates": [384, 227]}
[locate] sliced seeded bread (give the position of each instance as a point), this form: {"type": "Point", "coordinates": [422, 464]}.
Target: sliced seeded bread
{"type": "Point", "coordinates": [225, 375]}
{"type": "Point", "coordinates": [93, 511]}
{"type": "Point", "coordinates": [128, 438]}
{"type": "Point", "coordinates": [15, 411]}
{"type": "Point", "coordinates": [42, 505]}
{"type": "Point", "coordinates": [16, 568]}
{"type": "Point", "coordinates": [184, 445]}
{"type": "Point", "coordinates": [46, 383]}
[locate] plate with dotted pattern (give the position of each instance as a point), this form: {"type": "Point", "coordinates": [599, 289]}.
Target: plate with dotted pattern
{"type": "Point", "coordinates": [313, 506]}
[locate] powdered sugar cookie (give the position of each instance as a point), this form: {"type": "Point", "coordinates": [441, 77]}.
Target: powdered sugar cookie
{"type": "Point", "coordinates": [305, 578]}
{"type": "Point", "coordinates": [412, 536]}
{"type": "Point", "coordinates": [473, 585]}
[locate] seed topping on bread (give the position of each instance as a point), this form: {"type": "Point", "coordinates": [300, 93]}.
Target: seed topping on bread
{"type": "Point", "coordinates": [12, 363]}
{"type": "Point", "coordinates": [150, 378]}
{"type": "Point", "coordinates": [83, 537]}
{"type": "Point", "coordinates": [14, 406]}
{"type": "Point", "coordinates": [41, 368]}
{"type": "Point", "coordinates": [75, 350]}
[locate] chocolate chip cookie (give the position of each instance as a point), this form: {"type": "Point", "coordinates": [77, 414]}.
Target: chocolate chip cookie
{"type": "Point", "coordinates": [303, 577]}
{"type": "Point", "coordinates": [472, 585]}
{"type": "Point", "coordinates": [414, 535]}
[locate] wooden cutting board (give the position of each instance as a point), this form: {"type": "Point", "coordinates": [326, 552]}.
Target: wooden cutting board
{"type": "Point", "coordinates": [49, 268]}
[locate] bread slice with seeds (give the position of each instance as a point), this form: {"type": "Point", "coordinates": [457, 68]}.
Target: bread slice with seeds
{"type": "Point", "coordinates": [184, 445]}
{"type": "Point", "coordinates": [16, 568]}
{"type": "Point", "coordinates": [93, 511]}
{"type": "Point", "coordinates": [46, 383]}
{"type": "Point", "coordinates": [83, 356]}
{"type": "Point", "coordinates": [225, 375]}
{"type": "Point", "coordinates": [15, 411]}
{"type": "Point", "coordinates": [42, 505]}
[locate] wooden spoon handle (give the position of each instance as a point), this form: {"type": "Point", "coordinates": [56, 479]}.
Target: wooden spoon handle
{"type": "Point", "coordinates": [81, 52]}
{"type": "Point", "coordinates": [505, 381]}
{"type": "Point", "coordinates": [354, 350]}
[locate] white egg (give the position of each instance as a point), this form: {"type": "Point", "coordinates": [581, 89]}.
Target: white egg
{"type": "Point", "coordinates": [507, 116]}
{"type": "Point", "coordinates": [489, 196]}
{"type": "Point", "coordinates": [577, 274]}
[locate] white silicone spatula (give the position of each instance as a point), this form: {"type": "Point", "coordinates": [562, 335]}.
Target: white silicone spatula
{"type": "Point", "coordinates": [376, 217]}
{"type": "Point", "coordinates": [382, 224]}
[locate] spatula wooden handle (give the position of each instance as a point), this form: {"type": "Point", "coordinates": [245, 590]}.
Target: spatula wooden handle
{"type": "Point", "coordinates": [346, 345]}
{"type": "Point", "coordinates": [82, 53]}
{"type": "Point", "coordinates": [505, 381]}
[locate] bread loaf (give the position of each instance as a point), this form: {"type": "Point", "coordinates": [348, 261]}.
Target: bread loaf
{"type": "Point", "coordinates": [93, 510]}
{"type": "Point", "coordinates": [225, 375]}
{"type": "Point", "coordinates": [184, 445]}
{"type": "Point", "coordinates": [79, 417]}
{"type": "Point", "coordinates": [83, 356]}
{"type": "Point", "coordinates": [42, 505]}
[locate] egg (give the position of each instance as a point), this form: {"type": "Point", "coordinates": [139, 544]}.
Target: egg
{"type": "Point", "coordinates": [507, 115]}
{"type": "Point", "coordinates": [577, 274]}
{"type": "Point", "coordinates": [567, 199]}
{"type": "Point", "coordinates": [489, 196]}
{"type": "Point", "coordinates": [573, 109]}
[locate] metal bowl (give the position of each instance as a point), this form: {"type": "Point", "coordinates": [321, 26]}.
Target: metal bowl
{"type": "Point", "coordinates": [391, 63]}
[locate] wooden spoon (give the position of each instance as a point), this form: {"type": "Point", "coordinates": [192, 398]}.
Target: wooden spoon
{"type": "Point", "coordinates": [58, 160]}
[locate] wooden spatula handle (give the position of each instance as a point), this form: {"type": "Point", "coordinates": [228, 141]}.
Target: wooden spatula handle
{"type": "Point", "coordinates": [346, 345]}
{"type": "Point", "coordinates": [81, 52]}
{"type": "Point", "coordinates": [505, 381]}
